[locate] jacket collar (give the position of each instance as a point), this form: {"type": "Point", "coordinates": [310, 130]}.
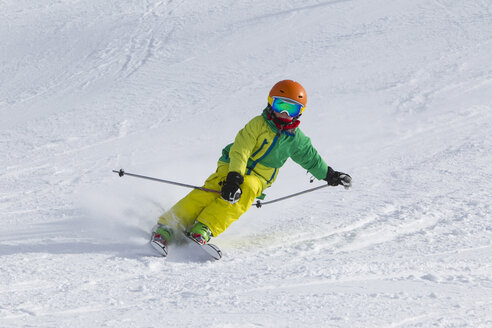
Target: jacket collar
{"type": "Point", "coordinates": [267, 116]}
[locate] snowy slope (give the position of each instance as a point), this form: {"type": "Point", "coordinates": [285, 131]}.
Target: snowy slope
{"type": "Point", "coordinates": [400, 97]}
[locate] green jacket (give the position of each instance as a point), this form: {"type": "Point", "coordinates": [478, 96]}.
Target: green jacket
{"type": "Point", "coordinates": [260, 148]}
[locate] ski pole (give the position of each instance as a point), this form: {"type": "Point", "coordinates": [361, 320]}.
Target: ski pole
{"type": "Point", "coordinates": [121, 173]}
{"type": "Point", "coordinates": [259, 204]}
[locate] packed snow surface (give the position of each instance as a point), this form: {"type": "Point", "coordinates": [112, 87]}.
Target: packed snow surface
{"type": "Point", "coordinates": [400, 97]}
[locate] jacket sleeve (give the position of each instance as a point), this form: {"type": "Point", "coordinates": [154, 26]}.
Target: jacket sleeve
{"type": "Point", "coordinates": [307, 156]}
{"type": "Point", "coordinates": [243, 147]}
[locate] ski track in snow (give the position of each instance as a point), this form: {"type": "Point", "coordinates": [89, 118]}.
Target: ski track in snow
{"type": "Point", "coordinates": [400, 98]}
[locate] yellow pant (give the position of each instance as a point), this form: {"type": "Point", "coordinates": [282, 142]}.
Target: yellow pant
{"type": "Point", "coordinates": [209, 208]}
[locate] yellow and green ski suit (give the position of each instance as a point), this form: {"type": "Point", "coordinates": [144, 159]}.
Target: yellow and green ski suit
{"type": "Point", "coordinates": [258, 152]}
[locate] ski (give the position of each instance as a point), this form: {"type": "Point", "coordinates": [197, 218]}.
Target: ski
{"type": "Point", "coordinates": [210, 249]}
{"type": "Point", "coordinates": [159, 247]}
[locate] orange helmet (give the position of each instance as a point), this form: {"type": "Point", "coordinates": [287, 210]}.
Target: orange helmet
{"type": "Point", "coordinates": [288, 89]}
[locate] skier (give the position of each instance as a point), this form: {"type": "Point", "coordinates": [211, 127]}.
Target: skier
{"type": "Point", "coordinates": [246, 168]}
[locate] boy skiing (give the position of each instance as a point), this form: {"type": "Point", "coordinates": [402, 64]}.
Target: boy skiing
{"type": "Point", "coordinates": [246, 168]}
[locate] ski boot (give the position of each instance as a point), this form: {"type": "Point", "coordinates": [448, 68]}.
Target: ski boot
{"type": "Point", "coordinates": [200, 233]}
{"type": "Point", "coordinates": [161, 236]}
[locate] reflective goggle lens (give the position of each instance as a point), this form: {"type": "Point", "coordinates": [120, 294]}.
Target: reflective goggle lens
{"type": "Point", "coordinates": [292, 108]}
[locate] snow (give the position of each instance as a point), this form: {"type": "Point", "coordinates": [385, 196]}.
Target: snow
{"type": "Point", "coordinates": [400, 97]}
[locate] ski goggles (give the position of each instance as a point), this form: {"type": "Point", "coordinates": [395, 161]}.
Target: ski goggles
{"type": "Point", "coordinates": [289, 106]}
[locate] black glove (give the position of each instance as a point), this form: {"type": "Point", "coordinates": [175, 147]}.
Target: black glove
{"type": "Point", "coordinates": [335, 178]}
{"type": "Point", "coordinates": [230, 189]}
